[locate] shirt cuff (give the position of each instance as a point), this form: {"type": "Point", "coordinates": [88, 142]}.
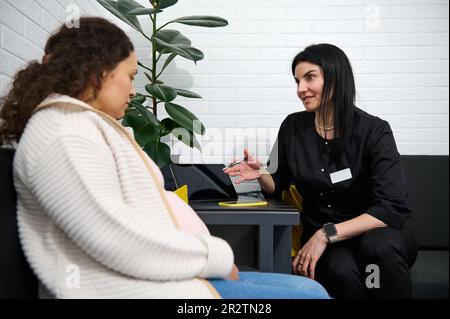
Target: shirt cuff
{"type": "Point", "coordinates": [388, 216]}
{"type": "Point", "coordinates": [220, 258]}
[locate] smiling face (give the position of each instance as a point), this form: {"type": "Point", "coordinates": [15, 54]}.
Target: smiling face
{"type": "Point", "coordinates": [117, 88]}
{"type": "Point", "coordinates": [309, 79]}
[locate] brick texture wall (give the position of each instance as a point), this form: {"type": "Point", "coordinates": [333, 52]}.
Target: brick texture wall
{"type": "Point", "coordinates": [25, 26]}
{"type": "Point", "coordinates": [399, 50]}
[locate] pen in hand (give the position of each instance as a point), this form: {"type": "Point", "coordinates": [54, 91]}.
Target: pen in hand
{"type": "Point", "coordinates": [235, 163]}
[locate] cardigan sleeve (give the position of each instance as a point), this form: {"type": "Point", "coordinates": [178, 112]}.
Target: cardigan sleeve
{"type": "Point", "coordinates": [389, 184]}
{"type": "Point", "coordinates": [76, 183]}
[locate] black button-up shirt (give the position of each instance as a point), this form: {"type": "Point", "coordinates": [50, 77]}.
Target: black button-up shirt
{"type": "Point", "coordinates": [377, 186]}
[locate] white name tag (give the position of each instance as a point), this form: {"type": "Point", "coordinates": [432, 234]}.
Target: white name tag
{"type": "Point", "coordinates": [341, 175]}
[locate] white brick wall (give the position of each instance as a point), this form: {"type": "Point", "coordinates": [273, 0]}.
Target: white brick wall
{"type": "Point", "coordinates": [399, 50]}
{"type": "Point", "coordinates": [25, 26]}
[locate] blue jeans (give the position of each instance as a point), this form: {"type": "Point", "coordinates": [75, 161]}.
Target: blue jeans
{"type": "Point", "coordinates": [260, 285]}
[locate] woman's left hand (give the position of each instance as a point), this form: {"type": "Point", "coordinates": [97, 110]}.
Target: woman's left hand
{"type": "Point", "coordinates": [305, 261]}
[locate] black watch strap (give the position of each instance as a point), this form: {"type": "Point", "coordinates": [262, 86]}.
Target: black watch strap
{"type": "Point", "coordinates": [330, 232]}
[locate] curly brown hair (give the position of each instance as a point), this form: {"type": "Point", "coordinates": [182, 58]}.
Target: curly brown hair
{"type": "Point", "coordinates": [75, 60]}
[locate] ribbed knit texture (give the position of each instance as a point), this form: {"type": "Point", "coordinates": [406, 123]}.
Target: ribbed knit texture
{"type": "Point", "coordinates": [86, 198]}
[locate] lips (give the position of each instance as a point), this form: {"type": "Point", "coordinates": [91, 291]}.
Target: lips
{"type": "Point", "coordinates": [306, 99]}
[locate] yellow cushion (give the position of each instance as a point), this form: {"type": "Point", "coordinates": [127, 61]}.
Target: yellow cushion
{"type": "Point", "coordinates": [293, 197]}
{"type": "Point", "coordinates": [182, 192]}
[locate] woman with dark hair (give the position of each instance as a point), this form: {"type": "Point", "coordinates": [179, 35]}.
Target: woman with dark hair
{"type": "Point", "coordinates": [345, 164]}
{"type": "Point", "coordinates": [94, 218]}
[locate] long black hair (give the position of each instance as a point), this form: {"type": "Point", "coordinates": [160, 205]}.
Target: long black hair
{"type": "Point", "coordinates": [339, 87]}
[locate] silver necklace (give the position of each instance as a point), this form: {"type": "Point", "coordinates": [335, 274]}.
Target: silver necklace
{"type": "Point", "coordinates": [323, 128]}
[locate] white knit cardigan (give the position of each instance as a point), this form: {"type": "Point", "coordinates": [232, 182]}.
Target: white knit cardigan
{"type": "Point", "coordinates": [93, 218]}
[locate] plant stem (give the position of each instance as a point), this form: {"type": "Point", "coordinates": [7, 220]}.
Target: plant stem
{"type": "Point", "coordinates": [145, 36]}
{"type": "Point", "coordinates": [154, 61]}
{"type": "Point", "coordinates": [143, 66]}
{"type": "Point", "coordinates": [163, 26]}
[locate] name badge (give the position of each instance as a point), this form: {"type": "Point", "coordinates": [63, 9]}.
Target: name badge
{"type": "Point", "coordinates": [341, 175]}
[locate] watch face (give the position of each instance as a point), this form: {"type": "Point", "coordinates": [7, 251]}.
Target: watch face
{"type": "Point", "coordinates": [330, 230]}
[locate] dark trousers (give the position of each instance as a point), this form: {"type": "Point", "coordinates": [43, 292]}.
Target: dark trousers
{"type": "Point", "coordinates": [373, 265]}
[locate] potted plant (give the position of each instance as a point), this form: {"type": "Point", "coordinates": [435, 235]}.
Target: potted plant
{"type": "Point", "coordinates": [165, 43]}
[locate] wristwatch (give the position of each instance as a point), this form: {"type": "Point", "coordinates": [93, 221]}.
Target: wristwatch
{"type": "Point", "coordinates": [330, 232]}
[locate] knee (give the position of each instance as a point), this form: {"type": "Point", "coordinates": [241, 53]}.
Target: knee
{"type": "Point", "coordinates": [340, 271]}
{"type": "Point", "coordinates": [378, 246]}
{"type": "Point", "coordinates": [312, 287]}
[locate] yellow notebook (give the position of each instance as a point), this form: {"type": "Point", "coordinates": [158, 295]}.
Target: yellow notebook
{"type": "Point", "coordinates": [243, 204]}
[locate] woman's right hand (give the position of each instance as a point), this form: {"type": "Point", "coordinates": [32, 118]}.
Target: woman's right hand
{"type": "Point", "coordinates": [234, 275]}
{"type": "Point", "coordinates": [247, 170]}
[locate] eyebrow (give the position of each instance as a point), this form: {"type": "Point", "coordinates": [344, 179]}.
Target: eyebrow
{"type": "Point", "coordinates": [310, 71]}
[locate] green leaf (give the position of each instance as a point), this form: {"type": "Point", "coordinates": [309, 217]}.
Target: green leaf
{"type": "Point", "coordinates": [186, 137]}
{"type": "Point", "coordinates": [149, 116]}
{"type": "Point", "coordinates": [148, 76]}
{"type": "Point", "coordinates": [120, 8]}
{"type": "Point", "coordinates": [144, 133]}
{"type": "Point", "coordinates": [185, 118]}
{"type": "Point", "coordinates": [159, 153]}
{"type": "Point", "coordinates": [138, 98]}
{"type": "Point", "coordinates": [161, 92]}
{"type": "Point", "coordinates": [145, 67]}
{"type": "Point", "coordinates": [165, 3]}
{"type": "Point", "coordinates": [126, 6]}
{"type": "Point", "coordinates": [168, 60]}
{"type": "Point", "coordinates": [147, 134]}
{"type": "Point", "coordinates": [188, 94]}
{"type": "Point", "coordinates": [132, 111]}
{"type": "Point", "coordinates": [170, 126]}
{"type": "Point", "coordinates": [126, 118]}
{"type": "Point", "coordinates": [167, 126]}
{"type": "Point", "coordinates": [202, 21]}
{"type": "Point", "coordinates": [172, 37]}
{"type": "Point", "coordinates": [143, 11]}
{"type": "Point", "coordinates": [183, 50]}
